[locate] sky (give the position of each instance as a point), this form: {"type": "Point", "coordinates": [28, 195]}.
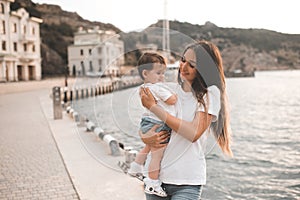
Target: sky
{"type": "Point", "coordinates": [134, 15]}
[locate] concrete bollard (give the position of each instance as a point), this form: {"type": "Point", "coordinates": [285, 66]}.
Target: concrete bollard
{"type": "Point", "coordinates": [82, 93]}
{"type": "Point", "coordinates": [57, 108]}
{"type": "Point", "coordinates": [99, 132]}
{"type": "Point", "coordinates": [77, 94]}
{"type": "Point", "coordinates": [92, 92]}
{"type": "Point", "coordinates": [90, 126]}
{"type": "Point", "coordinates": [71, 95]}
{"type": "Point", "coordinates": [65, 94]}
{"type": "Point", "coordinates": [102, 90]}
{"type": "Point", "coordinates": [87, 92]}
{"type": "Point", "coordinates": [113, 144]}
{"type": "Point", "coordinates": [130, 154]}
{"type": "Point", "coordinates": [68, 109]}
{"type": "Point", "coordinates": [82, 120]}
{"type": "Point", "coordinates": [96, 91]}
{"type": "Point", "coordinates": [76, 116]}
{"type": "Point", "coordinates": [71, 111]}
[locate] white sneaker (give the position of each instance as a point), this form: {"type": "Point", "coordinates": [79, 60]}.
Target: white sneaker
{"type": "Point", "coordinates": [154, 187]}
{"type": "Point", "coordinates": [155, 190]}
{"type": "Point", "coordinates": [135, 169]}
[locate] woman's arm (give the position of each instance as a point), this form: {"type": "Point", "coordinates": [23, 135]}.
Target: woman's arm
{"type": "Point", "coordinates": [189, 130]}
{"type": "Point", "coordinates": [155, 139]}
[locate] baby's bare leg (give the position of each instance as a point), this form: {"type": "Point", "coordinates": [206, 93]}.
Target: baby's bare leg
{"type": "Point", "coordinates": [154, 165]}
{"type": "Point", "coordinates": [142, 155]}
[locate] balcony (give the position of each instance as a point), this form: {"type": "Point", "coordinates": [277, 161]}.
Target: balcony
{"type": "Point", "coordinates": [28, 57]}
{"type": "Point", "coordinates": [28, 38]}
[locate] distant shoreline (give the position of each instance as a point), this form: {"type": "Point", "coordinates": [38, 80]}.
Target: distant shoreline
{"type": "Point", "coordinates": [49, 83]}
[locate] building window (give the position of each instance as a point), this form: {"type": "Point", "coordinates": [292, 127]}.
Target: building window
{"type": "Point", "coordinates": [24, 29]}
{"type": "Point", "coordinates": [90, 51]}
{"type": "Point", "coordinates": [82, 68]}
{"type": "Point", "coordinates": [2, 8]}
{"type": "Point", "coordinates": [91, 67]}
{"type": "Point", "coordinates": [25, 47]}
{"type": "Point", "coordinates": [33, 31]}
{"type": "Point", "coordinates": [14, 28]}
{"type": "Point", "coordinates": [3, 27]}
{"type": "Point", "coordinates": [81, 52]}
{"type": "Point", "coordinates": [4, 45]}
{"type": "Point", "coordinates": [99, 50]}
{"type": "Point", "coordinates": [15, 46]}
{"type": "Point", "coordinates": [33, 48]}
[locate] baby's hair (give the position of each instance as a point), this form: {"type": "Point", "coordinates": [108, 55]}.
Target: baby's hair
{"type": "Point", "coordinates": [147, 60]}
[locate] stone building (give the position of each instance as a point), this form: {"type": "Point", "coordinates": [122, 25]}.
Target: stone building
{"type": "Point", "coordinates": [20, 53]}
{"type": "Point", "coordinates": [95, 53]}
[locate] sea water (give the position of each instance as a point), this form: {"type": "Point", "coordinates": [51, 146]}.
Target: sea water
{"type": "Point", "coordinates": [265, 121]}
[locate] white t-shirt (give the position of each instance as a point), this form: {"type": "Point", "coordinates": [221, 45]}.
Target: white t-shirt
{"type": "Point", "coordinates": [183, 161]}
{"type": "Point", "coordinates": [161, 93]}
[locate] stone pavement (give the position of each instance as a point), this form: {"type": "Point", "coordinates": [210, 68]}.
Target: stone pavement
{"type": "Point", "coordinates": [43, 158]}
{"type": "Point", "coordinates": [31, 165]}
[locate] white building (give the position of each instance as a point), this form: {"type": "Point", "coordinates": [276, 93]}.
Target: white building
{"type": "Point", "coordinates": [95, 52]}
{"type": "Point", "coordinates": [20, 55]}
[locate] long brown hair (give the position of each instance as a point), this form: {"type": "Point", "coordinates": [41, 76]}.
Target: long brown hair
{"type": "Point", "coordinates": [210, 72]}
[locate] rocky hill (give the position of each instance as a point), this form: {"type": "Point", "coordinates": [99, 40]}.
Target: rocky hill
{"type": "Point", "coordinates": [244, 49]}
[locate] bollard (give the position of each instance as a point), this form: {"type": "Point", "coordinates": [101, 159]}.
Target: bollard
{"type": "Point", "coordinates": [92, 92]}
{"type": "Point", "coordinates": [68, 109]}
{"type": "Point", "coordinates": [65, 94]}
{"type": "Point", "coordinates": [76, 116]}
{"type": "Point", "coordinates": [130, 154]}
{"type": "Point", "coordinates": [102, 89]}
{"type": "Point", "coordinates": [71, 111]}
{"type": "Point", "coordinates": [99, 132]}
{"type": "Point", "coordinates": [77, 94]}
{"type": "Point", "coordinates": [82, 121]}
{"type": "Point", "coordinates": [90, 126]}
{"type": "Point", "coordinates": [82, 93]}
{"type": "Point", "coordinates": [87, 92]}
{"type": "Point", "coordinates": [57, 108]}
{"type": "Point", "coordinates": [71, 95]}
{"type": "Point", "coordinates": [96, 92]}
{"type": "Point", "coordinates": [113, 144]}
{"type": "Point", "coordinates": [62, 103]}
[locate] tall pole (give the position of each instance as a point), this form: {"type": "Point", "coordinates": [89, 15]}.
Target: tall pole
{"type": "Point", "coordinates": [166, 33]}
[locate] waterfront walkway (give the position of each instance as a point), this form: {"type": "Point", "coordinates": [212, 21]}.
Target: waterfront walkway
{"type": "Point", "coordinates": [43, 158]}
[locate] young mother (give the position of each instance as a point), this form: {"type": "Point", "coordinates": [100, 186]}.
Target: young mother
{"type": "Point", "coordinates": [202, 109]}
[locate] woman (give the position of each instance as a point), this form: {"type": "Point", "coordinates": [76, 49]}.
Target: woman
{"type": "Point", "coordinates": [202, 109]}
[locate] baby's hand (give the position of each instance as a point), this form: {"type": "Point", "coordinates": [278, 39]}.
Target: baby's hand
{"type": "Point", "coordinates": [147, 98]}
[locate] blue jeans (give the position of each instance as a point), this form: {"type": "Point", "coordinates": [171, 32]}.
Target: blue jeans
{"type": "Point", "coordinates": [178, 192]}
{"type": "Point", "coordinates": [147, 123]}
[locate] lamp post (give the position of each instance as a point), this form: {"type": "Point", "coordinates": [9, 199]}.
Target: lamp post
{"type": "Point", "coordinates": [66, 76]}
{"type": "Point", "coordinates": [66, 84]}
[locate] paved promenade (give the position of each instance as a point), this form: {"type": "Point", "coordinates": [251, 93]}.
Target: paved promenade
{"type": "Point", "coordinates": [43, 158]}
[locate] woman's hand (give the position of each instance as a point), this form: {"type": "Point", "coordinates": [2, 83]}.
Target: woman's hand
{"type": "Point", "coordinates": [155, 139]}
{"type": "Point", "coordinates": [147, 98]}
